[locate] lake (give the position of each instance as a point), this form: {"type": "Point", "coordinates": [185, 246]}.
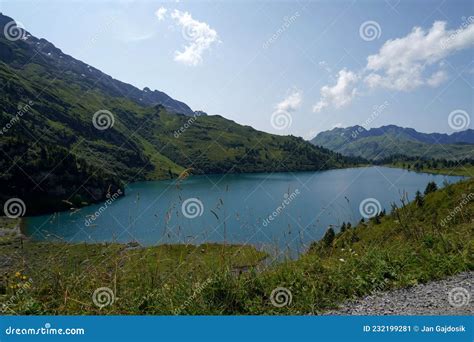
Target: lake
{"type": "Point", "coordinates": [280, 212]}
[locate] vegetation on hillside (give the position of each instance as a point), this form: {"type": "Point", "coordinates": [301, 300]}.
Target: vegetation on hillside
{"type": "Point", "coordinates": [381, 143]}
{"type": "Point", "coordinates": [50, 107]}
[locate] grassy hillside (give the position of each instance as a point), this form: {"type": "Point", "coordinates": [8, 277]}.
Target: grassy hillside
{"type": "Point", "coordinates": [50, 107]}
{"type": "Point", "coordinates": [413, 244]}
{"type": "Point", "coordinates": [388, 142]}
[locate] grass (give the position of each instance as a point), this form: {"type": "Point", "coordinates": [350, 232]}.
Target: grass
{"type": "Point", "coordinates": [462, 170]}
{"type": "Point", "coordinates": [404, 248]}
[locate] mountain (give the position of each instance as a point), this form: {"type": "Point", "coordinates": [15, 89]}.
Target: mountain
{"type": "Point", "coordinates": [71, 135]}
{"type": "Point", "coordinates": [57, 62]}
{"type": "Point", "coordinates": [385, 141]}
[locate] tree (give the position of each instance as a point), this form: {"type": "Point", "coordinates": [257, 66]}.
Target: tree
{"type": "Point", "coordinates": [419, 200]}
{"type": "Point", "coordinates": [329, 237]}
{"type": "Point", "coordinates": [343, 227]}
{"type": "Point", "coordinates": [431, 187]}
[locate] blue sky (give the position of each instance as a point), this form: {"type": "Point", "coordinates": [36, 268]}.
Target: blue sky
{"type": "Point", "coordinates": [282, 67]}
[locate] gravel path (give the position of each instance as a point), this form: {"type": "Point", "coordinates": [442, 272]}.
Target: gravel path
{"type": "Point", "coordinates": [452, 296]}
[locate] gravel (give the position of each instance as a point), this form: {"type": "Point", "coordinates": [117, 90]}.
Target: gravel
{"type": "Point", "coordinates": [452, 296]}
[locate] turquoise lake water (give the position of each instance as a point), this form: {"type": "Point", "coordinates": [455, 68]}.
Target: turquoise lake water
{"type": "Point", "coordinates": [283, 212]}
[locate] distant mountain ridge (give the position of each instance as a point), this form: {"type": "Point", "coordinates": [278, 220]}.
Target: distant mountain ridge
{"type": "Point", "coordinates": [379, 143]}
{"type": "Point", "coordinates": [55, 59]}
{"type": "Point", "coordinates": [466, 136]}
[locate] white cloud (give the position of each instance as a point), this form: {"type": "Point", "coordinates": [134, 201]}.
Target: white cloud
{"type": "Point", "coordinates": [160, 13]}
{"type": "Point", "coordinates": [291, 103]}
{"type": "Point", "coordinates": [340, 94]}
{"type": "Point", "coordinates": [200, 37]}
{"type": "Point", "coordinates": [325, 66]}
{"type": "Point", "coordinates": [402, 64]}
{"type": "Point", "coordinates": [437, 78]}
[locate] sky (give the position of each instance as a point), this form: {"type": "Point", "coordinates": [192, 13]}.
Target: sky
{"type": "Point", "coordinates": [284, 67]}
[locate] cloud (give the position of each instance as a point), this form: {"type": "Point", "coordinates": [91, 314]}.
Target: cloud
{"type": "Point", "coordinates": [325, 66]}
{"type": "Point", "coordinates": [200, 37]}
{"type": "Point", "coordinates": [340, 94]}
{"type": "Point", "coordinates": [160, 13]}
{"type": "Point", "coordinates": [291, 102]}
{"type": "Point", "coordinates": [401, 64]}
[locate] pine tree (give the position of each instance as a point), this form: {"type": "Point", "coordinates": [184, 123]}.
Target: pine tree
{"type": "Point", "coordinates": [431, 187]}
{"type": "Point", "coordinates": [329, 237]}
{"type": "Point", "coordinates": [419, 200]}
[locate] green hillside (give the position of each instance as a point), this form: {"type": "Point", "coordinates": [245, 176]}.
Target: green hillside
{"type": "Point", "coordinates": [377, 144]}
{"type": "Point", "coordinates": [47, 107]}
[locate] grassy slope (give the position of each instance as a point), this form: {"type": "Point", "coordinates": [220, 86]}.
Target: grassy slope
{"type": "Point", "coordinates": [405, 248]}
{"type": "Point", "coordinates": [141, 145]}
{"type": "Point", "coordinates": [462, 170]}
